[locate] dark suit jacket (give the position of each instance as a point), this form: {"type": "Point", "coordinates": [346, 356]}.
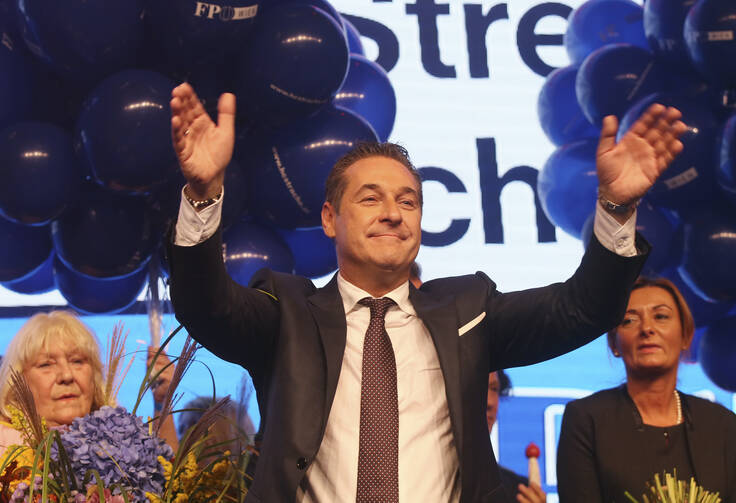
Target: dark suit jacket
{"type": "Point", "coordinates": [291, 336]}
{"type": "Point", "coordinates": [602, 435]}
{"type": "Point", "coordinates": [511, 480]}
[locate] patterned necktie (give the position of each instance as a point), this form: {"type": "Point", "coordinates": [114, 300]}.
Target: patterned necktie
{"type": "Point", "coordinates": [378, 457]}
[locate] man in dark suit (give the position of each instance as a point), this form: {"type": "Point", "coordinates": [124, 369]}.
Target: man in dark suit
{"type": "Point", "coordinates": [370, 389]}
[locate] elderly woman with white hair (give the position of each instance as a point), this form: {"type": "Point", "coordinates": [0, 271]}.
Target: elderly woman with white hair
{"type": "Point", "coordinates": [59, 357]}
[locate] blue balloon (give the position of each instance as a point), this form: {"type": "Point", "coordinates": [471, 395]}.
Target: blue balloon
{"type": "Point", "coordinates": [726, 173]}
{"type": "Point", "coordinates": [560, 115]}
{"type": "Point", "coordinates": [104, 234]}
{"type": "Point", "coordinates": [567, 185]}
{"type": "Point", "coordinates": [16, 85]}
{"type": "Point", "coordinates": [665, 237]}
{"type": "Point", "coordinates": [39, 280]}
{"type": "Point", "coordinates": [99, 295]}
{"type": "Point", "coordinates": [586, 233]}
{"type": "Point", "coordinates": [288, 169]}
{"type": "Point", "coordinates": [40, 173]}
{"type": "Point", "coordinates": [661, 229]}
{"type": "Point", "coordinates": [295, 62]}
{"type": "Point", "coordinates": [234, 204]}
{"type": "Point", "coordinates": [355, 45]}
{"type": "Point", "coordinates": [710, 248]}
{"type": "Point", "coordinates": [191, 33]}
{"type": "Point", "coordinates": [597, 23]}
{"type": "Point", "coordinates": [323, 5]}
{"type": "Point", "coordinates": [663, 25]}
{"type": "Point", "coordinates": [248, 247]}
{"type": "Point", "coordinates": [704, 311]}
{"type": "Point", "coordinates": [8, 20]}
{"type": "Point", "coordinates": [613, 78]}
{"type": "Point", "coordinates": [717, 353]}
{"type": "Point", "coordinates": [367, 91]}
{"type": "Point", "coordinates": [24, 250]}
{"type": "Point", "coordinates": [124, 131]}
{"type": "Point", "coordinates": [709, 35]}
{"type": "Point", "coordinates": [314, 253]}
{"type": "Point", "coordinates": [691, 176]}
{"type": "Point", "coordinates": [83, 40]}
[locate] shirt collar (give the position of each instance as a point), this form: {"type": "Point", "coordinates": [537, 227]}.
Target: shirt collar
{"type": "Point", "coordinates": [352, 294]}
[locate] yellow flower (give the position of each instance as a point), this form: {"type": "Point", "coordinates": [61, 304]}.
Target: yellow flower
{"type": "Point", "coordinates": [23, 455]}
{"type": "Point", "coordinates": [19, 421]}
{"type": "Point", "coordinates": [153, 498]}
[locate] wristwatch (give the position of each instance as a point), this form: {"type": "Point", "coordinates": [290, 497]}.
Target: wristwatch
{"type": "Point", "coordinates": [200, 204]}
{"type": "Point", "coordinates": [615, 208]}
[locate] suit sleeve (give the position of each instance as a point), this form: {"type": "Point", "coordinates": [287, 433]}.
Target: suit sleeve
{"type": "Point", "coordinates": [538, 324]}
{"type": "Point", "coordinates": [577, 476]}
{"type": "Point", "coordinates": [235, 323]}
{"type": "Point", "coordinates": [730, 447]}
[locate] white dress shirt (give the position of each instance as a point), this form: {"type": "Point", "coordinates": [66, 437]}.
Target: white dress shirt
{"type": "Point", "coordinates": [428, 463]}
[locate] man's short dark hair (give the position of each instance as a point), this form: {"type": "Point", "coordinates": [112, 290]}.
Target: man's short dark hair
{"type": "Point", "coordinates": [504, 383]}
{"type": "Point", "coordinates": [336, 182]}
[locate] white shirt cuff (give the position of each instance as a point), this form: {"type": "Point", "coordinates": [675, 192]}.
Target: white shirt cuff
{"type": "Point", "coordinates": [618, 238]}
{"type": "Point", "coordinates": [193, 227]}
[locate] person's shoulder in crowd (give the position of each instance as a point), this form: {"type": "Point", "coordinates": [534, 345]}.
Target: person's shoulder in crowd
{"type": "Point", "coordinates": [698, 406]}
{"type": "Point", "coordinates": [600, 400]}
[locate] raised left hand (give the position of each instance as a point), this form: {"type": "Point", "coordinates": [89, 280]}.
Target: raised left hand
{"type": "Point", "coordinates": [627, 169]}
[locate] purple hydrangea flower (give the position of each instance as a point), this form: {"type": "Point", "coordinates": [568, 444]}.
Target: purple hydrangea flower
{"type": "Point", "coordinates": [117, 445]}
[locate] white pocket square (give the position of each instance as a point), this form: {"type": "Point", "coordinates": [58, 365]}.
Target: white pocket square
{"type": "Point", "coordinates": [471, 323]}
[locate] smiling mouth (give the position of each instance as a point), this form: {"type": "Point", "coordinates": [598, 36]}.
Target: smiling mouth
{"type": "Point", "coordinates": [387, 235]}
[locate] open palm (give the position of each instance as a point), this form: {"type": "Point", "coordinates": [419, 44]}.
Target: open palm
{"type": "Point", "coordinates": [627, 169]}
{"type": "Point", "coordinates": [203, 148]}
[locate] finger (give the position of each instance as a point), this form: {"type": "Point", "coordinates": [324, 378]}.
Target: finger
{"type": "Point", "coordinates": [524, 494]}
{"type": "Point", "coordinates": [608, 134]}
{"type": "Point", "coordinates": [538, 490]}
{"type": "Point", "coordinates": [648, 119]}
{"type": "Point", "coordinates": [658, 130]}
{"type": "Point", "coordinates": [226, 111]}
{"type": "Point", "coordinates": [194, 107]}
{"type": "Point", "coordinates": [177, 134]}
{"type": "Point", "coordinates": [673, 114]}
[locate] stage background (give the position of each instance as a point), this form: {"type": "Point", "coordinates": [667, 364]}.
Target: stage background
{"type": "Point", "coordinates": [466, 109]}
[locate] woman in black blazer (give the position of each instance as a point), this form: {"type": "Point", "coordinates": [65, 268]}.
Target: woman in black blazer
{"type": "Point", "coordinates": [617, 439]}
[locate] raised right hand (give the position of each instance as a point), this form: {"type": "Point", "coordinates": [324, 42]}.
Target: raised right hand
{"type": "Point", "coordinates": [203, 148]}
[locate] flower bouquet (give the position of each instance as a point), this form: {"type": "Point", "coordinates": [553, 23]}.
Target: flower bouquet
{"type": "Point", "coordinates": [675, 491]}
{"type": "Point", "coordinates": [113, 456]}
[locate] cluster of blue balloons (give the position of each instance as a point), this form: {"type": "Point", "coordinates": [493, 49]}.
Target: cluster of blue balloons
{"type": "Point", "coordinates": [90, 179]}
{"type": "Point", "coordinates": [624, 57]}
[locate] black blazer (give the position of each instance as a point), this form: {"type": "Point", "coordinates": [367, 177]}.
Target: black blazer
{"type": "Point", "coordinates": [291, 335]}
{"type": "Point", "coordinates": [601, 434]}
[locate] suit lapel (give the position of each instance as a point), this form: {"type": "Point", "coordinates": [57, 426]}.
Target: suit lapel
{"type": "Point", "coordinates": [329, 313]}
{"type": "Point", "coordinates": [440, 318]}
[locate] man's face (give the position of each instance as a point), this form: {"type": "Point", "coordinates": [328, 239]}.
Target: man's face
{"type": "Point", "coordinates": [378, 225]}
